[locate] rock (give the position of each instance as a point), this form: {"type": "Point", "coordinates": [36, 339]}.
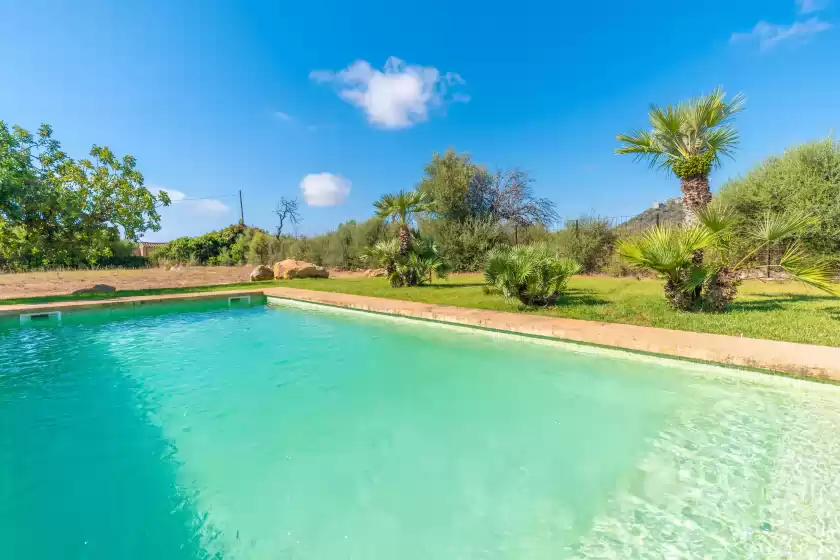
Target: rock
{"type": "Point", "coordinates": [95, 289]}
{"type": "Point", "coordinates": [261, 273]}
{"type": "Point", "coordinates": [291, 268]}
{"type": "Point", "coordinates": [376, 273]}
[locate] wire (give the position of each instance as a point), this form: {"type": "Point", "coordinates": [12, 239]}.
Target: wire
{"type": "Point", "coordinates": [207, 198]}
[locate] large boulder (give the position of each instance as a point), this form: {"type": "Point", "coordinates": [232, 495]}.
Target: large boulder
{"type": "Point", "coordinates": [95, 289]}
{"type": "Point", "coordinates": [291, 268]}
{"type": "Point", "coordinates": [262, 272]}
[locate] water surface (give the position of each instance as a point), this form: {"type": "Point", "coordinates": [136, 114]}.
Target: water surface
{"type": "Point", "coordinates": [287, 433]}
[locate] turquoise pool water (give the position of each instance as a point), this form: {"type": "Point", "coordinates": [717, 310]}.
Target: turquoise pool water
{"type": "Point", "coordinates": [270, 432]}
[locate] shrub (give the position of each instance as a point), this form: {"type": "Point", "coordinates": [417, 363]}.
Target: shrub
{"type": "Point", "coordinates": [804, 180]}
{"type": "Point", "coordinates": [465, 243]}
{"type": "Point", "coordinates": [533, 274]}
{"type": "Point", "coordinates": [713, 284]}
{"type": "Point", "coordinates": [589, 241]}
{"type": "Point", "coordinates": [413, 268]}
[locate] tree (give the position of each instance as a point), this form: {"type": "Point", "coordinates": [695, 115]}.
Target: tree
{"type": "Point", "coordinates": [805, 179]}
{"type": "Point", "coordinates": [401, 209]}
{"type": "Point", "coordinates": [510, 199]}
{"type": "Point", "coordinates": [451, 182]}
{"type": "Point", "coordinates": [688, 139]}
{"type": "Point", "coordinates": [58, 211]}
{"type": "Point", "coordinates": [287, 210]}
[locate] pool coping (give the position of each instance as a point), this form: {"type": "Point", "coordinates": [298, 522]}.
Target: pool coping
{"type": "Point", "coordinates": [79, 305]}
{"type": "Point", "coordinates": [807, 360]}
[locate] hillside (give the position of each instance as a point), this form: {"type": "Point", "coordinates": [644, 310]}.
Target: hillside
{"type": "Point", "coordinates": [671, 211]}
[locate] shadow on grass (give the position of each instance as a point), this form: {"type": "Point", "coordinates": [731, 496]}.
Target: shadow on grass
{"type": "Point", "coordinates": [790, 297]}
{"type": "Point", "coordinates": [580, 297]}
{"type": "Point", "coordinates": [775, 302]}
{"type": "Point", "coordinates": [450, 286]}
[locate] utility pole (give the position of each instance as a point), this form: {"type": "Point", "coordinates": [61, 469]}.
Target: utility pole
{"type": "Point", "coordinates": [241, 210]}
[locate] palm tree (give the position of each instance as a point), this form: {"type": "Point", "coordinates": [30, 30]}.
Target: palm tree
{"type": "Point", "coordinates": [688, 140]}
{"type": "Point", "coordinates": [400, 209]}
{"type": "Point", "coordinates": [669, 250]}
{"type": "Point", "coordinates": [386, 254]}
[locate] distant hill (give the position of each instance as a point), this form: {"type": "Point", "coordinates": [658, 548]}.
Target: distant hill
{"type": "Point", "coordinates": [669, 212]}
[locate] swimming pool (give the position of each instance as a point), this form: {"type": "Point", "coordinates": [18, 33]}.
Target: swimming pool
{"type": "Point", "coordinates": [286, 432]}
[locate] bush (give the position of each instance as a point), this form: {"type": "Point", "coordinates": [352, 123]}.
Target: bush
{"type": "Point", "coordinates": [232, 241]}
{"type": "Point", "coordinates": [414, 268]}
{"type": "Point", "coordinates": [533, 274]}
{"type": "Point", "coordinates": [589, 241]}
{"type": "Point", "coordinates": [465, 243]}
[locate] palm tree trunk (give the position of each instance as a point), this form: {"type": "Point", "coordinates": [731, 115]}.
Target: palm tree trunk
{"type": "Point", "coordinates": [696, 196]}
{"type": "Point", "coordinates": [405, 239]}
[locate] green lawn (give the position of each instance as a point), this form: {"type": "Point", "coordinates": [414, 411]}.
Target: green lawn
{"type": "Point", "coordinates": [763, 310]}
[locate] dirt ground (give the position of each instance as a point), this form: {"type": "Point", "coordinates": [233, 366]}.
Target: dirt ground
{"type": "Point", "coordinates": [33, 284]}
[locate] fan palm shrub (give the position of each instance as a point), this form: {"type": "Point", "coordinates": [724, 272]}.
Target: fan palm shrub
{"type": "Point", "coordinates": [688, 140]}
{"type": "Point", "coordinates": [669, 251]}
{"type": "Point", "coordinates": [414, 268]}
{"type": "Point", "coordinates": [422, 263]}
{"type": "Point", "coordinates": [401, 209]}
{"type": "Point", "coordinates": [533, 274]}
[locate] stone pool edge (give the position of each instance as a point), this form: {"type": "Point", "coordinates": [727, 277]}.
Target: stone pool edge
{"type": "Point", "coordinates": [789, 358]}
{"type": "Point", "coordinates": [128, 301]}
{"type": "Point", "coordinates": [805, 360]}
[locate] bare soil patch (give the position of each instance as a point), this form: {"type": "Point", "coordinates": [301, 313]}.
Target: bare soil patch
{"type": "Point", "coordinates": [60, 282]}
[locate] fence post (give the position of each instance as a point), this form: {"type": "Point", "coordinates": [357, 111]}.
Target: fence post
{"type": "Point", "coordinates": [657, 219]}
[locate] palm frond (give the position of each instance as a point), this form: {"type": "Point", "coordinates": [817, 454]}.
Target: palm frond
{"type": "Point", "coordinates": [816, 273]}
{"type": "Point", "coordinates": [689, 129]}
{"type": "Point", "coordinates": [718, 218]}
{"type": "Point", "coordinates": [775, 226]}
{"type": "Point", "coordinates": [697, 276]}
{"type": "Point", "coordinates": [667, 250]}
{"type": "Point", "coordinates": [722, 141]}
{"type": "Point", "coordinates": [643, 145]}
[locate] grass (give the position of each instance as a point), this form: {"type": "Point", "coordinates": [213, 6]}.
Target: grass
{"type": "Point", "coordinates": [776, 311]}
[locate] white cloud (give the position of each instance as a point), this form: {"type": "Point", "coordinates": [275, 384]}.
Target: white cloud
{"type": "Point", "coordinates": [189, 215]}
{"type": "Point", "coordinates": [282, 116]}
{"type": "Point", "coordinates": [199, 206]}
{"type": "Point", "coordinates": [810, 6]}
{"type": "Point", "coordinates": [398, 96]}
{"type": "Point", "coordinates": [769, 35]}
{"type": "Point", "coordinates": [324, 189]}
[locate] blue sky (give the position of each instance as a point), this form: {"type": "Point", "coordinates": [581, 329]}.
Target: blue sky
{"type": "Point", "coordinates": [267, 97]}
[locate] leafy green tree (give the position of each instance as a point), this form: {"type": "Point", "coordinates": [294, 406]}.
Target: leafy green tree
{"type": "Point", "coordinates": [56, 211]}
{"type": "Point", "coordinates": [688, 139]}
{"type": "Point", "coordinates": [454, 183]}
{"type": "Point", "coordinates": [805, 180]}
{"type": "Point", "coordinates": [401, 209]}
{"type": "Point", "coordinates": [465, 243]}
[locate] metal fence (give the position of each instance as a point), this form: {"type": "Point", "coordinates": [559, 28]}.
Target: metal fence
{"type": "Point", "coordinates": [624, 224]}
